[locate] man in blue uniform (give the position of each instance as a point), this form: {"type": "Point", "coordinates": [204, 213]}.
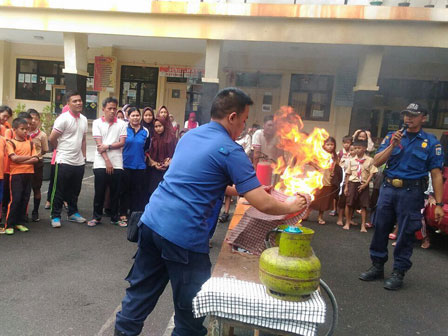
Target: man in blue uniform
{"type": "Point", "coordinates": [410, 154]}
{"type": "Point", "coordinates": [173, 239]}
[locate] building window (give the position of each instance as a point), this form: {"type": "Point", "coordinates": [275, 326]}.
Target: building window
{"type": "Point", "coordinates": [138, 86]}
{"type": "Point", "coordinates": [91, 71]}
{"type": "Point", "coordinates": [310, 96]}
{"type": "Point", "coordinates": [433, 95]}
{"type": "Point", "coordinates": [256, 79]}
{"type": "Point", "coordinates": [35, 78]}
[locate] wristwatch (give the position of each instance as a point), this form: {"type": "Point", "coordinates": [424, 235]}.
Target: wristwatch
{"type": "Point", "coordinates": [440, 204]}
{"type": "Point", "coordinates": [109, 147]}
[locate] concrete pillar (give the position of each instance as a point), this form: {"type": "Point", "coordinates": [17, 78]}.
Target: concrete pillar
{"type": "Point", "coordinates": [369, 69]}
{"type": "Point", "coordinates": [75, 61]}
{"type": "Point", "coordinates": [285, 88]}
{"type": "Point", "coordinates": [210, 81]}
{"type": "Point", "coordinates": [5, 66]}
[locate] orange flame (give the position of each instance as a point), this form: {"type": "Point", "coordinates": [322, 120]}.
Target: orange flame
{"type": "Point", "coordinates": [304, 154]}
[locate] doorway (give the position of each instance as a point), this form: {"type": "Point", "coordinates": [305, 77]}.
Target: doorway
{"type": "Point", "coordinates": [175, 100]}
{"type": "Point", "coordinates": [138, 86]}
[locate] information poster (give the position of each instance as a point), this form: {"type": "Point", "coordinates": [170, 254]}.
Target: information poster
{"type": "Point", "coordinates": [21, 78]}
{"type": "Point", "coordinates": [105, 73]}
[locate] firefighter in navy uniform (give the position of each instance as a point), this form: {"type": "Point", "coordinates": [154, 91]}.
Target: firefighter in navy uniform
{"type": "Point", "coordinates": [410, 154]}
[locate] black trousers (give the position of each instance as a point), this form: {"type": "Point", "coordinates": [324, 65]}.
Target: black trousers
{"type": "Point", "coordinates": [6, 193]}
{"type": "Point", "coordinates": [133, 195]}
{"type": "Point", "coordinates": [154, 180]}
{"type": "Point", "coordinates": [50, 183]}
{"type": "Point", "coordinates": [158, 261]}
{"type": "Point", "coordinates": [20, 192]}
{"type": "Point", "coordinates": [66, 186]}
{"type": "Point", "coordinates": [102, 181]}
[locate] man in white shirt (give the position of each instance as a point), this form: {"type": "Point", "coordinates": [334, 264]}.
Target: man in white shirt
{"type": "Point", "coordinates": [264, 142]}
{"type": "Point", "coordinates": [69, 138]}
{"type": "Point", "coordinates": [110, 135]}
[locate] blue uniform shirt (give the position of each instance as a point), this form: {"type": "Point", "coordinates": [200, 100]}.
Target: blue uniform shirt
{"type": "Point", "coordinates": [205, 162]}
{"type": "Point", "coordinates": [414, 157]}
{"type": "Point", "coordinates": [134, 148]}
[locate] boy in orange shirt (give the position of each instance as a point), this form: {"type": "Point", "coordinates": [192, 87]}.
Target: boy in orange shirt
{"type": "Point", "coordinates": [2, 154]}
{"type": "Point", "coordinates": [40, 142]}
{"type": "Point", "coordinates": [22, 155]}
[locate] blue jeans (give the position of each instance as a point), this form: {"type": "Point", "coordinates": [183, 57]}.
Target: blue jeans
{"type": "Point", "coordinates": [158, 261]}
{"type": "Point", "coordinates": [401, 206]}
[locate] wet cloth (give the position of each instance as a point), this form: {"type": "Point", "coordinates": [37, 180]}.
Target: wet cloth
{"type": "Point", "coordinates": [248, 302]}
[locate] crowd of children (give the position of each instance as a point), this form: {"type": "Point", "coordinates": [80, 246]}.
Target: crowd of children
{"type": "Point", "coordinates": [347, 181]}
{"type": "Point", "coordinates": [132, 155]}
{"type": "Point", "coordinates": [22, 146]}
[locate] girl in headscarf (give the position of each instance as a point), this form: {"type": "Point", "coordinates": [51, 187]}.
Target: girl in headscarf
{"type": "Point", "coordinates": [160, 151]}
{"type": "Point", "coordinates": [191, 122]}
{"type": "Point", "coordinates": [148, 120]}
{"type": "Point", "coordinates": [148, 123]}
{"type": "Point", "coordinates": [165, 115]}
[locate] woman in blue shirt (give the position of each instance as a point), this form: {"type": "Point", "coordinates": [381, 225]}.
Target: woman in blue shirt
{"type": "Point", "coordinates": [137, 142]}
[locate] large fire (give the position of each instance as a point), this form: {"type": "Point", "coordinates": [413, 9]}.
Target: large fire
{"type": "Point", "coordinates": [301, 168]}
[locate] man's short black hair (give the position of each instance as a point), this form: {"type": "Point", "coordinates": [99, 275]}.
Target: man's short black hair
{"type": "Point", "coordinates": [229, 100]}
{"type": "Point", "coordinates": [360, 143]}
{"type": "Point", "coordinates": [110, 100]}
{"type": "Point", "coordinates": [17, 122]}
{"type": "Point", "coordinates": [33, 111]}
{"type": "Point", "coordinates": [347, 138]}
{"type": "Point", "coordinates": [24, 115]}
{"type": "Point", "coordinates": [6, 108]}
{"type": "Point", "coordinates": [70, 94]}
{"type": "Point", "coordinates": [268, 118]}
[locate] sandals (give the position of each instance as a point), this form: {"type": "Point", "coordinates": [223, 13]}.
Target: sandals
{"type": "Point", "coordinates": [21, 228]}
{"type": "Point", "coordinates": [93, 222]}
{"type": "Point", "coordinates": [321, 221]}
{"type": "Point", "coordinates": [392, 236]}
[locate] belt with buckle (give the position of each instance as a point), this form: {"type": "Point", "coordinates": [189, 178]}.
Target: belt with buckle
{"type": "Point", "coordinates": [400, 183]}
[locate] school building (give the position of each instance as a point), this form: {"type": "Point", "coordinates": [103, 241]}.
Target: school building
{"type": "Point", "coordinates": [342, 64]}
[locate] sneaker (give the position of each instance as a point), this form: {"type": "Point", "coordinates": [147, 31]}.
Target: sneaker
{"type": "Point", "coordinates": [2, 230]}
{"type": "Point", "coordinates": [56, 222]}
{"type": "Point", "coordinates": [9, 231]}
{"type": "Point", "coordinates": [35, 217]}
{"type": "Point", "coordinates": [395, 281]}
{"type": "Point", "coordinates": [224, 217]}
{"type": "Point", "coordinates": [373, 273]}
{"type": "Point", "coordinates": [77, 218]}
{"type": "Point", "coordinates": [332, 213]}
{"type": "Point", "coordinates": [22, 228]}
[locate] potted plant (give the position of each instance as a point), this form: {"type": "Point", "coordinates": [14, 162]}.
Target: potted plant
{"type": "Point", "coordinates": [19, 108]}
{"type": "Point", "coordinates": [376, 3]}
{"type": "Point", "coordinates": [404, 4]}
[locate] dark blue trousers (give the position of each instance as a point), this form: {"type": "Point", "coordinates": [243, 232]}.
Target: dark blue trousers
{"type": "Point", "coordinates": [403, 207]}
{"type": "Point", "coordinates": [158, 261]}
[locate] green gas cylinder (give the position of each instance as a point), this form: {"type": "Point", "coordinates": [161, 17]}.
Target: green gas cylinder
{"type": "Point", "coordinates": [290, 271]}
